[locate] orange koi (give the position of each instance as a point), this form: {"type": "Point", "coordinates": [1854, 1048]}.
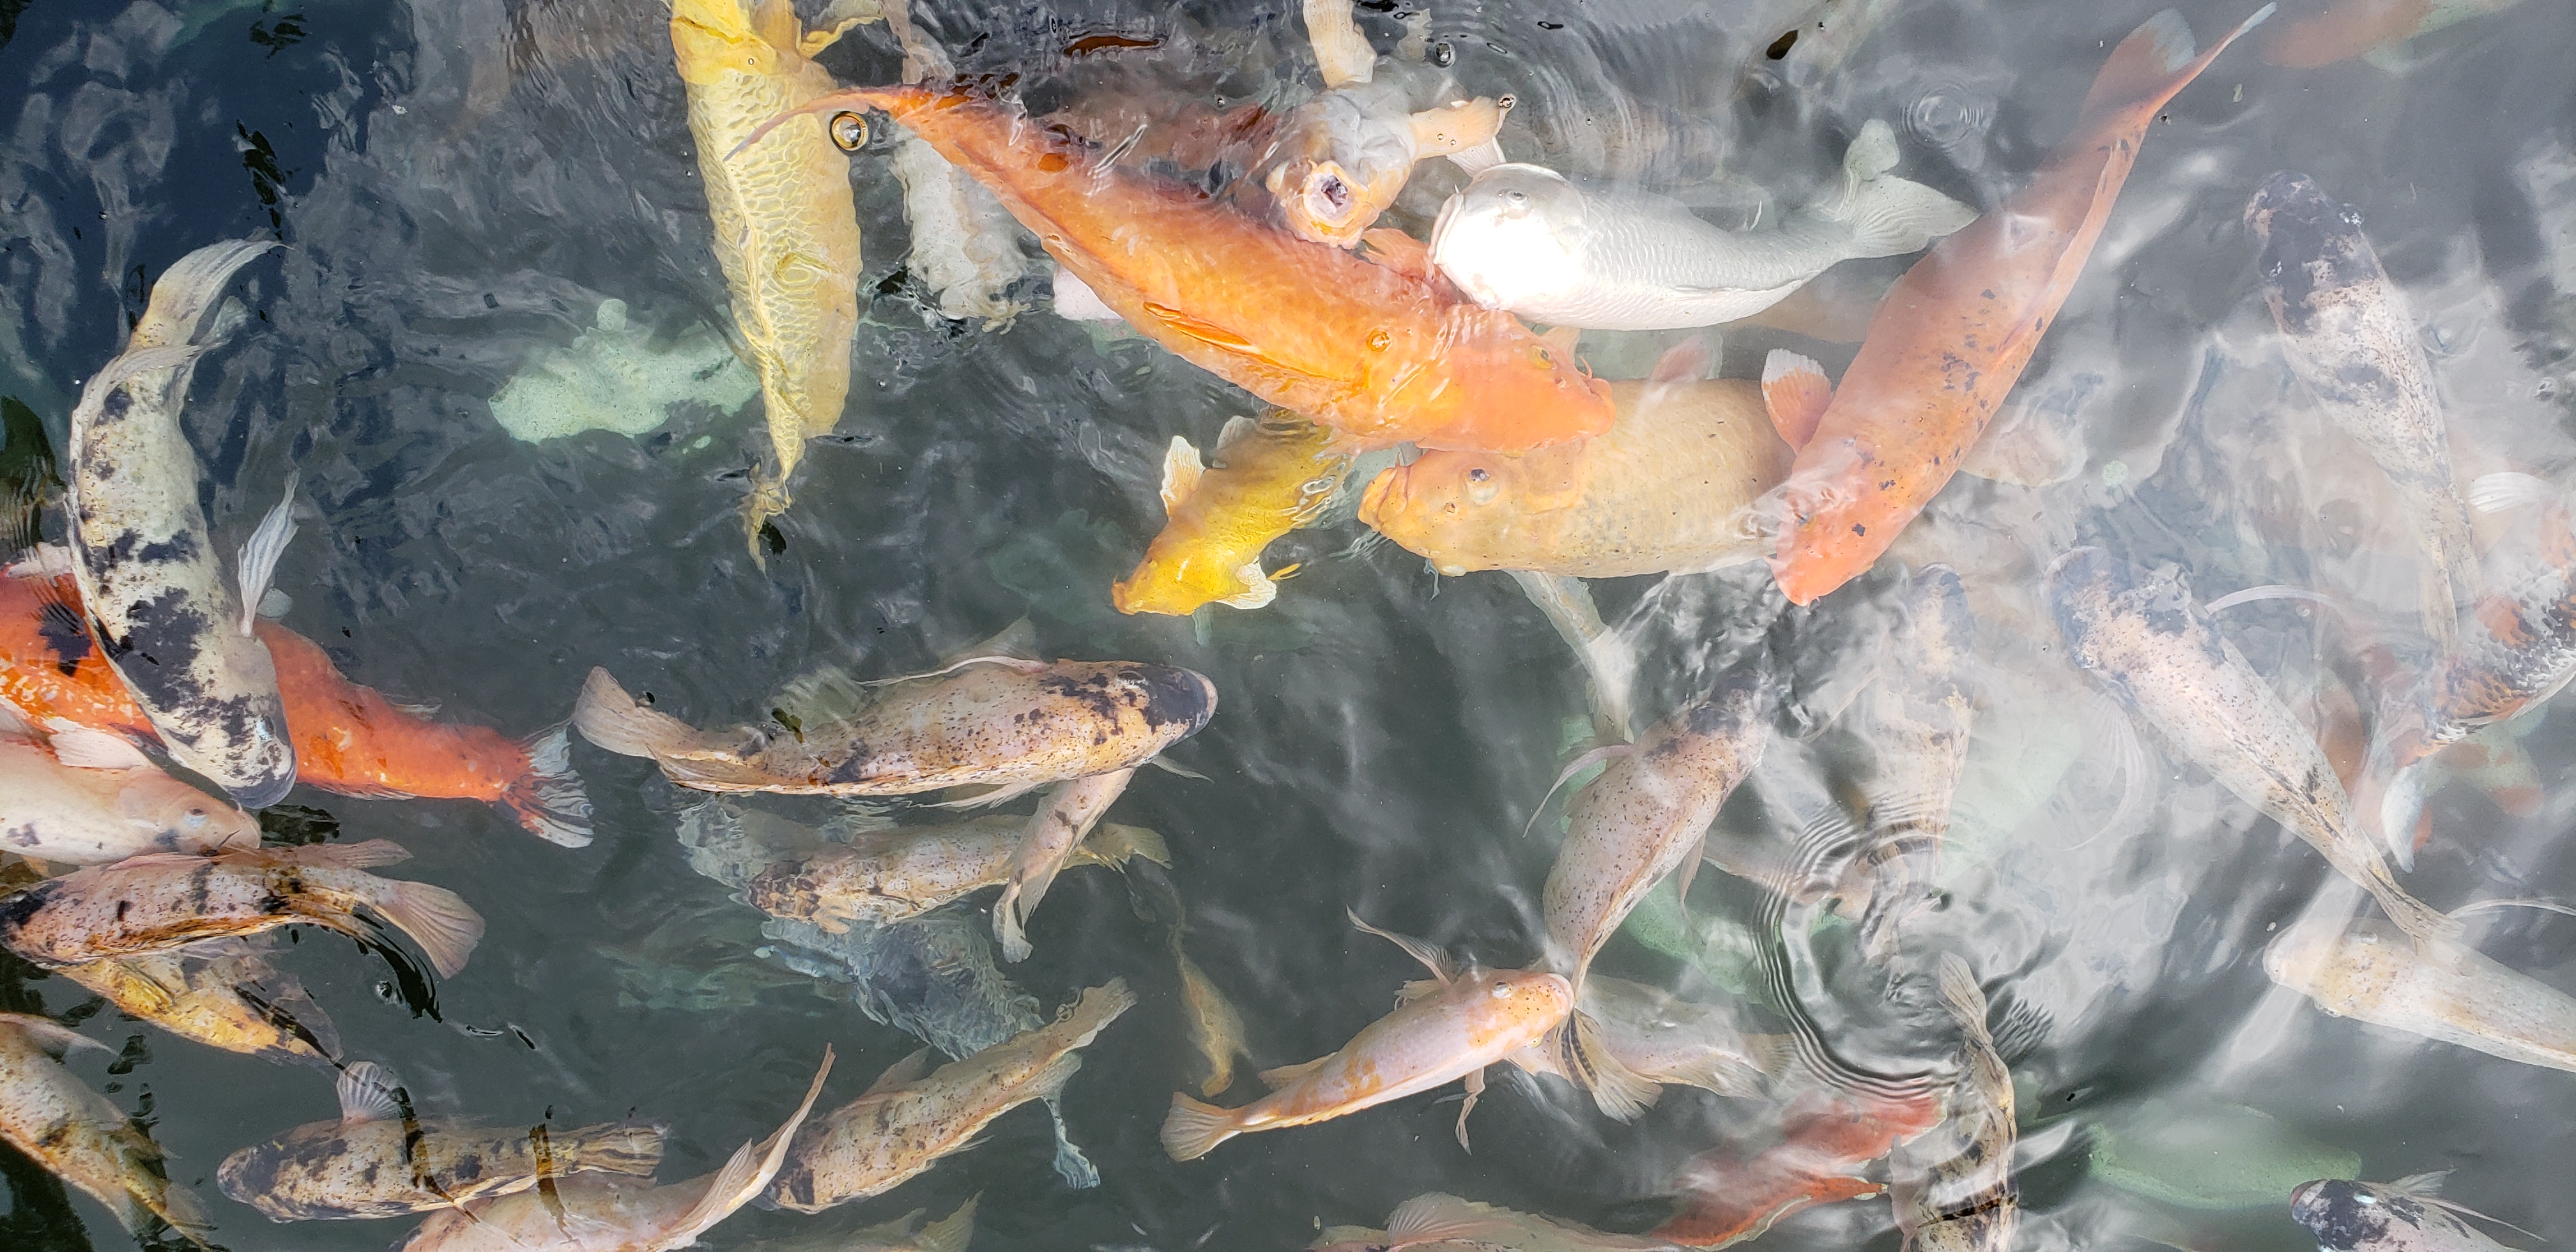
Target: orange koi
{"type": "Point", "coordinates": [1954, 334]}
{"type": "Point", "coordinates": [349, 739]}
{"type": "Point", "coordinates": [1384, 352]}
{"type": "Point", "coordinates": [1826, 1137]}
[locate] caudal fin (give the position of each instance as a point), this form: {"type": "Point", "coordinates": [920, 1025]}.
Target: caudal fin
{"type": "Point", "coordinates": [548, 800]}
{"type": "Point", "coordinates": [439, 920]}
{"type": "Point", "coordinates": [1889, 216]}
{"type": "Point", "coordinates": [610, 718]}
{"type": "Point", "coordinates": [2154, 63]}
{"type": "Point", "coordinates": [1194, 1129]}
{"type": "Point", "coordinates": [747, 1172]}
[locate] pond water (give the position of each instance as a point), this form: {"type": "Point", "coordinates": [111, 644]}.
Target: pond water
{"type": "Point", "coordinates": [462, 186]}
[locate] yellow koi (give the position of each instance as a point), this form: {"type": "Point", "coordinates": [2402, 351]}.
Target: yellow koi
{"type": "Point", "coordinates": [1273, 475]}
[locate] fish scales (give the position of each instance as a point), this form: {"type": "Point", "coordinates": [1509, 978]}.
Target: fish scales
{"type": "Point", "coordinates": [392, 1168]}
{"type": "Point", "coordinates": [2444, 990]}
{"type": "Point", "coordinates": [2159, 648]}
{"type": "Point", "coordinates": [1920, 715]}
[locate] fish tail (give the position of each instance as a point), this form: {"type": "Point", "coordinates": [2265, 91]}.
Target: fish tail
{"type": "Point", "coordinates": [548, 799]}
{"type": "Point", "coordinates": [1193, 1129]}
{"type": "Point", "coordinates": [1889, 216]}
{"type": "Point", "coordinates": [192, 288]}
{"type": "Point", "coordinates": [1114, 844]}
{"type": "Point", "coordinates": [950, 1233]}
{"type": "Point", "coordinates": [610, 718]}
{"type": "Point", "coordinates": [631, 1148]}
{"type": "Point", "coordinates": [439, 920]}
{"type": "Point", "coordinates": [2420, 920]}
{"type": "Point", "coordinates": [2154, 63]}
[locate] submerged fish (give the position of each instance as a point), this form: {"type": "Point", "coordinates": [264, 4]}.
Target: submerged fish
{"type": "Point", "coordinates": [907, 1233]}
{"type": "Point", "coordinates": [1383, 352]}
{"type": "Point", "coordinates": [380, 1159]}
{"type": "Point", "coordinates": [1273, 474]}
{"type": "Point", "coordinates": [786, 225]}
{"type": "Point", "coordinates": [2407, 1215]}
{"type": "Point", "coordinates": [1216, 1029]}
{"type": "Point", "coordinates": [1528, 239]}
{"type": "Point", "coordinates": [1063, 820]}
{"type": "Point", "coordinates": [965, 247]}
{"type": "Point", "coordinates": [1013, 724]}
{"type": "Point", "coordinates": [608, 1214]}
{"type": "Point", "coordinates": [887, 875]}
{"type": "Point", "coordinates": [1665, 1039]}
{"type": "Point", "coordinates": [2347, 335]}
{"type": "Point", "coordinates": [78, 1136]}
{"type": "Point", "coordinates": [1672, 486]}
{"type": "Point", "coordinates": [151, 588]}
{"type": "Point", "coordinates": [1953, 335]}
{"type": "Point", "coordinates": [1437, 1221]}
{"type": "Point", "coordinates": [165, 901]}
{"type": "Point", "coordinates": [1338, 161]}
{"type": "Point", "coordinates": [2441, 990]}
{"type": "Point", "coordinates": [349, 739]}
{"type": "Point", "coordinates": [907, 1120]}
{"type": "Point", "coordinates": [1919, 715]}
{"type": "Point", "coordinates": [235, 1002]}
{"type": "Point", "coordinates": [105, 804]}
{"type": "Point", "coordinates": [2343, 29]}
{"type": "Point", "coordinates": [2154, 644]}
{"type": "Point", "coordinates": [1966, 1201]}
{"type": "Point", "coordinates": [1826, 1137]}
{"type": "Point", "coordinates": [1465, 1022]}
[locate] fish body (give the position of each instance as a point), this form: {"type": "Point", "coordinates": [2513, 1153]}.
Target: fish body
{"type": "Point", "coordinates": [2402, 1216]}
{"type": "Point", "coordinates": [1012, 724]}
{"type": "Point", "coordinates": [2153, 643]}
{"type": "Point", "coordinates": [2343, 29]}
{"type": "Point", "coordinates": [1382, 352]}
{"type": "Point", "coordinates": [349, 739]}
{"type": "Point", "coordinates": [1672, 486]}
{"type": "Point", "coordinates": [786, 224]}
{"type": "Point", "coordinates": [1728, 1196]}
{"type": "Point", "coordinates": [1952, 337]}
{"type": "Point", "coordinates": [1967, 1200]}
{"type": "Point", "coordinates": [1063, 820]}
{"type": "Point", "coordinates": [1666, 1039]}
{"type": "Point", "coordinates": [2442, 990]}
{"type": "Point", "coordinates": [1273, 474]}
{"type": "Point", "coordinates": [1920, 714]}
{"type": "Point", "coordinates": [50, 811]}
{"type": "Point", "coordinates": [376, 1160]}
{"type": "Point", "coordinates": [172, 627]}
{"type": "Point", "coordinates": [2347, 335]}
{"type": "Point", "coordinates": [1216, 1028]}
{"type": "Point", "coordinates": [890, 875]}
{"type": "Point", "coordinates": [907, 1121]}
{"type": "Point", "coordinates": [605, 1213]}
{"type": "Point", "coordinates": [1528, 239]}
{"type": "Point", "coordinates": [1437, 1222]}
{"type": "Point", "coordinates": [1649, 811]}
{"type": "Point", "coordinates": [234, 1002]}
{"type": "Point", "coordinates": [164, 901]}
{"type": "Point", "coordinates": [1471, 1021]}
{"type": "Point", "coordinates": [77, 1135]}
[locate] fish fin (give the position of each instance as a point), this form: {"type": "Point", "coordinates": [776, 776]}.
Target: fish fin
{"type": "Point", "coordinates": [1023, 664]}
{"type": "Point", "coordinates": [367, 1094]}
{"type": "Point", "coordinates": [1193, 1129]}
{"type": "Point", "coordinates": [1684, 362]}
{"type": "Point", "coordinates": [1965, 999]}
{"type": "Point", "coordinates": [986, 798]}
{"type": "Point", "coordinates": [612, 720]}
{"type": "Point", "coordinates": [2153, 63]}
{"type": "Point", "coordinates": [1398, 251]}
{"type": "Point", "coordinates": [1474, 1082]}
{"type": "Point", "coordinates": [1456, 127]}
{"type": "Point", "coordinates": [1114, 844]}
{"type": "Point", "coordinates": [1771, 1055]}
{"type": "Point", "coordinates": [1621, 1092]}
{"type": "Point", "coordinates": [630, 1148]}
{"type": "Point", "coordinates": [1190, 326]}
{"type": "Point", "coordinates": [2495, 493]}
{"type": "Point", "coordinates": [439, 920]}
{"type": "Point", "coordinates": [2271, 591]}
{"type": "Point", "coordinates": [749, 1171]}
{"type": "Point", "coordinates": [950, 1233]}
{"type": "Point", "coordinates": [2423, 1186]}
{"type": "Point", "coordinates": [54, 1037]}
{"type": "Point", "coordinates": [1418, 989]}
{"type": "Point", "coordinates": [1342, 53]}
{"type": "Point", "coordinates": [1237, 428]}
{"type": "Point", "coordinates": [1795, 393]}
{"type": "Point", "coordinates": [1271, 1078]}
{"type": "Point", "coordinates": [45, 560]}
{"type": "Point", "coordinates": [902, 1073]}
{"type": "Point", "coordinates": [1564, 341]}
{"type": "Point", "coordinates": [1075, 301]}
{"type": "Point", "coordinates": [192, 288]}
{"type": "Point", "coordinates": [1165, 764]}
{"type": "Point", "coordinates": [1606, 752]}
{"type": "Point", "coordinates": [178, 1206]}
{"type": "Point", "coordinates": [1888, 216]}
{"type": "Point", "coordinates": [1259, 588]}
{"type": "Point", "coordinates": [1432, 958]}
{"type": "Point", "coordinates": [549, 800]}
{"type": "Point", "coordinates": [1181, 471]}
{"type": "Point", "coordinates": [258, 563]}
{"type": "Point", "coordinates": [80, 747]}
{"type": "Point", "coordinates": [2547, 906]}
{"type": "Point", "coordinates": [1436, 1219]}
{"type": "Point", "coordinates": [367, 854]}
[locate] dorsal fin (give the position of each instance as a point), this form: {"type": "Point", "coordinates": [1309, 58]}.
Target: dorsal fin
{"type": "Point", "coordinates": [1181, 471]}
{"type": "Point", "coordinates": [367, 1094]}
{"type": "Point", "coordinates": [902, 1073]}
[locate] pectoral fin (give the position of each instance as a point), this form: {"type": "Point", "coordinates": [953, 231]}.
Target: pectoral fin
{"type": "Point", "coordinates": [1181, 471]}
{"type": "Point", "coordinates": [1795, 392]}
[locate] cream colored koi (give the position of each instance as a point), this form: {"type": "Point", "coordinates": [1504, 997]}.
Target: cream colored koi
{"type": "Point", "coordinates": [62, 812]}
{"type": "Point", "coordinates": [77, 1135]}
{"type": "Point", "coordinates": [2441, 989]}
{"type": "Point", "coordinates": [886, 875]}
{"type": "Point", "coordinates": [1919, 714]}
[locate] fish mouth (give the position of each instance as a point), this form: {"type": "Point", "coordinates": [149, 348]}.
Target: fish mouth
{"type": "Point", "coordinates": [1384, 498]}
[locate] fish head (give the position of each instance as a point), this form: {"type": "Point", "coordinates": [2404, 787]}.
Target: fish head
{"type": "Point", "coordinates": [1499, 387]}
{"type": "Point", "coordinates": [713, 38]}
{"type": "Point", "coordinates": [1177, 577]}
{"type": "Point", "coordinates": [1171, 699]}
{"type": "Point", "coordinates": [1339, 165]}
{"type": "Point", "coordinates": [184, 818]}
{"type": "Point", "coordinates": [1515, 234]}
{"type": "Point", "coordinates": [1511, 1007]}
{"type": "Point", "coordinates": [2311, 246]}
{"type": "Point", "coordinates": [2346, 1215]}
{"type": "Point", "coordinates": [1467, 510]}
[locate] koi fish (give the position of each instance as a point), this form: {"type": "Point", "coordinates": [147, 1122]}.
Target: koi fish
{"type": "Point", "coordinates": [1216, 1029]}
{"type": "Point", "coordinates": [1436, 1221]}
{"type": "Point", "coordinates": [2347, 336]}
{"type": "Point", "coordinates": [1666, 1039]}
{"type": "Point", "coordinates": [907, 1119]}
{"type": "Point", "coordinates": [106, 803]}
{"type": "Point", "coordinates": [235, 1002]}
{"type": "Point", "coordinates": [591, 1213]}
{"type": "Point", "coordinates": [1015, 724]}
{"type": "Point", "coordinates": [2442, 990]}
{"type": "Point", "coordinates": [1531, 240]}
{"type": "Point", "coordinates": [1919, 714]}
{"type": "Point", "coordinates": [1953, 335]}
{"type": "Point", "coordinates": [54, 1119]}
{"type": "Point", "coordinates": [890, 874]}
{"type": "Point", "coordinates": [2155, 645]}
{"type": "Point", "coordinates": [1273, 475]}
{"type": "Point", "coordinates": [1967, 1201]}
{"type": "Point", "coordinates": [1339, 160]}
{"type": "Point", "coordinates": [349, 739]}
{"type": "Point", "coordinates": [2343, 29]}
{"type": "Point", "coordinates": [1382, 352]}
{"type": "Point", "coordinates": [172, 628]}
{"type": "Point", "coordinates": [964, 247]}
{"type": "Point", "coordinates": [786, 224]}
{"type": "Point", "coordinates": [1826, 1136]}
{"type": "Point", "coordinates": [168, 900]}
{"type": "Point", "coordinates": [1466, 1021]}
{"type": "Point", "coordinates": [2408, 1215]}
{"type": "Point", "coordinates": [1063, 820]}
{"type": "Point", "coordinates": [907, 1233]}
{"type": "Point", "coordinates": [380, 1159]}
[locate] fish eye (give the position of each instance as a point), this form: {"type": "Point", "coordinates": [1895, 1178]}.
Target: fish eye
{"type": "Point", "coordinates": [849, 131]}
{"type": "Point", "coordinates": [1478, 474]}
{"type": "Point", "coordinates": [1379, 340]}
{"type": "Point", "coordinates": [1443, 54]}
{"type": "Point", "coordinates": [1518, 198]}
{"type": "Point", "coordinates": [195, 818]}
{"type": "Point", "coordinates": [1502, 991]}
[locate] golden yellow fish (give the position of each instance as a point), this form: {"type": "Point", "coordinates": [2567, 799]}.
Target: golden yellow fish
{"type": "Point", "coordinates": [235, 1002]}
{"type": "Point", "coordinates": [1273, 474]}
{"type": "Point", "coordinates": [786, 226]}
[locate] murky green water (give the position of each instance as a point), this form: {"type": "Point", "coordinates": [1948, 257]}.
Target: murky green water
{"type": "Point", "coordinates": [463, 184]}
